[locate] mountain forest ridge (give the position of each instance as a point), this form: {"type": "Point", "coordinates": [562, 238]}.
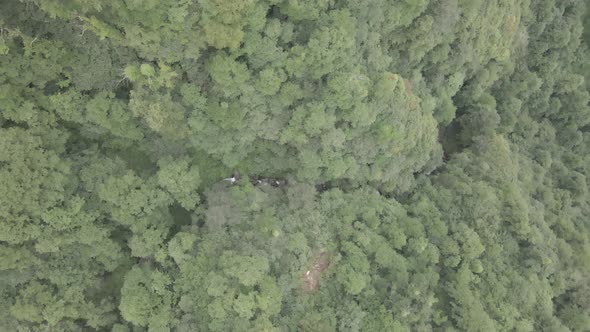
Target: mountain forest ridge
{"type": "Point", "coordinates": [294, 165]}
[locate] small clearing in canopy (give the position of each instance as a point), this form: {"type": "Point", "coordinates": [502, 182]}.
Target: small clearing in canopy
{"type": "Point", "coordinates": [311, 277]}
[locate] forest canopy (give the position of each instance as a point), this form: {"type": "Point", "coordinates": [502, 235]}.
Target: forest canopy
{"type": "Point", "coordinates": [294, 165]}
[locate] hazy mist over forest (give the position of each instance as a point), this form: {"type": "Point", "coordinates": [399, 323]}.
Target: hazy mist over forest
{"type": "Point", "coordinates": [294, 165]}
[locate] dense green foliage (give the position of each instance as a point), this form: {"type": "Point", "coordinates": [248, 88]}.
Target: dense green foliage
{"type": "Point", "coordinates": [404, 165]}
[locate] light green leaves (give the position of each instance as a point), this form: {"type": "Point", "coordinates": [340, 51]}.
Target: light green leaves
{"type": "Point", "coordinates": [181, 180]}
{"type": "Point", "coordinates": [146, 299]}
{"type": "Point", "coordinates": [249, 270]}
{"type": "Point", "coordinates": [147, 70]}
{"type": "Point", "coordinates": [112, 116]}
{"type": "Point", "coordinates": [353, 271]}
{"type": "Point", "coordinates": [269, 81]}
